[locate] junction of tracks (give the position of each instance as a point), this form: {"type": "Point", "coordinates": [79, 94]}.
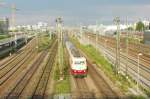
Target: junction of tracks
{"type": "Point", "coordinates": [33, 72]}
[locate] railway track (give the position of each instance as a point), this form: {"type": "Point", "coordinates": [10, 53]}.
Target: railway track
{"type": "Point", "coordinates": [25, 79]}
{"type": "Point", "coordinates": [132, 58]}
{"type": "Point", "coordinates": [144, 71]}
{"type": "Point", "coordinates": [40, 89]}
{"type": "Point", "coordinates": [9, 74]}
{"type": "Point", "coordinates": [104, 89]}
{"type": "Point", "coordinates": [18, 88]}
{"type": "Point", "coordinates": [16, 55]}
{"type": "Point", "coordinates": [6, 75]}
{"type": "Point", "coordinates": [144, 61]}
{"type": "Point", "coordinates": [81, 84]}
{"type": "Point", "coordinates": [8, 70]}
{"type": "Point", "coordinates": [101, 83]}
{"type": "Point", "coordinates": [83, 91]}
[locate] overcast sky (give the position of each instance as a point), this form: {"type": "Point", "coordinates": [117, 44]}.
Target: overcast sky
{"type": "Point", "coordinates": [75, 12]}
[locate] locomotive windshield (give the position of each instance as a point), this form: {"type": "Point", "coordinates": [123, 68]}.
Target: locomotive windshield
{"type": "Point", "coordinates": [79, 62]}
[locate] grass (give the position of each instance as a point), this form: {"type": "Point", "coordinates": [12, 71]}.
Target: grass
{"type": "Point", "coordinates": [4, 36]}
{"type": "Point", "coordinates": [44, 42]}
{"type": "Point", "coordinates": [62, 86]}
{"type": "Point", "coordinates": [134, 40]}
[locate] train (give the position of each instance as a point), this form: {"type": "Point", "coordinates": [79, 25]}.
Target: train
{"type": "Point", "coordinates": [77, 62]}
{"type": "Point", "coordinates": [9, 46]}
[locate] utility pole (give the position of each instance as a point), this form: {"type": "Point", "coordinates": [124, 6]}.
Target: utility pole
{"type": "Point", "coordinates": [127, 42]}
{"type": "Point", "coordinates": [138, 70]}
{"type": "Point", "coordinates": [50, 32]}
{"type": "Point", "coordinates": [81, 31]}
{"type": "Point", "coordinates": [117, 61]}
{"type": "Point", "coordinates": [60, 45]}
{"type": "Point", "coordinates": [37, 41]}
{"type": "Point", "coordinates": [13, 8]}
{"type": "Point", "coordinates": [96, 44]}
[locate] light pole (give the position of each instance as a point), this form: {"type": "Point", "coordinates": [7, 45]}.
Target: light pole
{"type": "Point", "coordinates": [50, 31]}
{"type": "Point", "coordinates": [96, 36]}
{"type": "Point", "coordinates": [97, 41]}
{"type": "Point", "coordinates": [60, 45]}
{"type": "Point", "coordinates": [105, 43]}
{"type": "Point", "coordinates": [81, 30]}
{"type": "Point", "coordinates": [88, 39]}
{"type": "Point", "coordinates": [117, 61]}
{"type": "Point", "coordinates": [140, 54]}
{"type": "Point", "coordinates": [14, 9]}
{"type": "Point", "coordinates": [105, 46]}
{"type": "Point", "coordinates": [96, 44]}
{"type": "Point", "coordinates": [37, 42]}
{"type": "Point", "coordinates": [127, 42]}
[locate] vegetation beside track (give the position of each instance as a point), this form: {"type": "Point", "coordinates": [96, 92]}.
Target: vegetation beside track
{"type": "Point", "coordinates": [62, 86]}
{"type": "Point", "coordinates": [98, 59]}
{"type": "Point", "coordinates": [4, 36]}
{"type": "Point", "coordinates": [44, 42]}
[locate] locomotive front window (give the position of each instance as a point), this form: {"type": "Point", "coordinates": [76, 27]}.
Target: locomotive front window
{"type": "Point", "coordinates": [79, 62]}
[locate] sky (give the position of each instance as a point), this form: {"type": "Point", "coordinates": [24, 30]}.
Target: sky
{"type": "Point", "coordinates": [76, 12]}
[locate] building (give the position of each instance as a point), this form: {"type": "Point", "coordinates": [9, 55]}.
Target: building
{"type": "Point", "coordinates": [42, 26]}
{"type": "Point", "coordinates": [4, 25]}
{"type": "Point", "coordinates": [147, 37]}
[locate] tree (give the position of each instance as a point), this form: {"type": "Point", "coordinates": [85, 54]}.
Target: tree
{"type": "Point", "coordinates": [140, 26]}
{"type": "Point", "coordinates": [130, 28]}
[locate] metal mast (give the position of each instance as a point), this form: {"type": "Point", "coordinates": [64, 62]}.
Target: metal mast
{"type": "Point", "coordinates": [13, 8]}
{"type": "Point", "coordinates": [117, 62]}
{"type": "Point", "coordinates": [127, 42]}
{"type": "Point", "coordinates": [60, 44]}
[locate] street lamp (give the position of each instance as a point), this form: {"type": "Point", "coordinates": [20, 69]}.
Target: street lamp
{"type": "Point", "coordinates": [81, 30]}
{"type": "Point", "coordinates": [140, 54]}
{"type": "Point", "coordinates": [96, 44]}
{"type": "Point", "coordinates": [96, 35]}
{"type": "Point", "coordinates": [106, 43]}
{"type": "Point", "coordinates": [37, 42]}
{"type": "Point", "coordinates": [105, 46]}
{"type": "Point", "coordinates": [88, 39]}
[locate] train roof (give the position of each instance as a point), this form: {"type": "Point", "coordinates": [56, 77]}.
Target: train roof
{"type": "Point", "coordinates": [73, 49]}
{"type": "Point", "coordinates": [75, 52]}
{"type": "Point", "coordinates": [8, 40]}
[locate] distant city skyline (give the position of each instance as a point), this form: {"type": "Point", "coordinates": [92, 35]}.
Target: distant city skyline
{"type": "Point", "coordinates": [75, 12]}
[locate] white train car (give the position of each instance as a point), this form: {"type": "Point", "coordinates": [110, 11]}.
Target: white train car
{"type": "Point", "coordinates": [78, 63]}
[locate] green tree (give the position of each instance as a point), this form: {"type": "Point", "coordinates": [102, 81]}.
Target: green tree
{"type": "Point", "coordinates": [140, 26]}
{"type": "Point", "coordinates": [130, 28]}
